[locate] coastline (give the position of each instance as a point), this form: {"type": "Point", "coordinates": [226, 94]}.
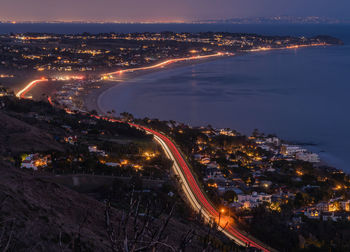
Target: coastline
{"type": "Point", "coordinates": [91, 99]}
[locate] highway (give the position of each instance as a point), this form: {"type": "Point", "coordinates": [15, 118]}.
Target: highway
{"type": "Point", "coordinates": [194, 194]}
{"type": "Point", "coordinates": [26, 89]}
{"type": "Point", "coordinates": [166, 62]}
{"type": "Point", "coordinates": [190, 186]}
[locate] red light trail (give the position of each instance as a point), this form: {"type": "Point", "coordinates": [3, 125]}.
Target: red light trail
{"type": "Point", "coordinates": [26, 89]}
{"type": "Point", "coordinates": [191, 188]}
{"type": "Point", "coordinates": [167, 62]}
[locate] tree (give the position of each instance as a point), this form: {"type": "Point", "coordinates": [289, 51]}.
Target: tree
{"type": "Point", "coordinates": [127, 116]}
{"type": "Point", "coordinates": [256, 133]}
{"type": "Point", "coordinates": [136, 182]}
{"type": "Point", "coordinates": [139, 230]}
{"type": "Point", "coordinates": [299, 200]}
{"type": "Point", "coordinates": [230, 196]}
{"type": "Point", "coordinates": [93, 112]}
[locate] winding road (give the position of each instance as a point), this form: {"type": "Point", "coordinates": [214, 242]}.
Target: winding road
{"type": "Point", "coordinates": [189, 184]}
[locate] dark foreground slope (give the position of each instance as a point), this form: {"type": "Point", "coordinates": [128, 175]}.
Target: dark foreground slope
{"type": "Point", "coordinates": [17, 136]}
{"type": "Point", "coordinates": [39, 215]}
{"type": "Point", "coordinates": [39, 212]}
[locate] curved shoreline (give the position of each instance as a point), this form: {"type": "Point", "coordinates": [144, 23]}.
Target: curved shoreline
{"type": "Point", "coordinates": [92, 99]}
{"type": "Point", "coordinates": [328, 158]}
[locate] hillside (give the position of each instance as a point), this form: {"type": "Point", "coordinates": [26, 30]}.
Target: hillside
{"type": "Point", "coordinates": [18, 136]}
{"type": "Point", "coordinates": [39, 215]}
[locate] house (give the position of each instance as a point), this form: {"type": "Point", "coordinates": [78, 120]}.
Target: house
{"type": "Point", "coordinates": [273, 140]}
{"type": "Point", "coordinates": [253, 200]}
{"type": "Point", "coordinates": [34, 161]}
{"type": "Point", "coordinates": [71, 139]}
{"type": "Point", "coordinates": [94, 149]}
{"type": "Point", "coordinates": [216, 175]}
{"type": "Point", "coordinates": [29, 164]}
{"type": "Point", "coordinates": [265, 183]}
{"type": "Point", "coordinates": [204, 160]}
{"type": "Point", "coordinates": [271, 169]}
{"type": "Point", "coordinates": [322, 207]}
{"type": "Point", "coordinates": [345, 205]}
{"type": "Point", "coordinates": [312, 213]}
{"type": "Point", "coordinates": [335, 216]}
{"type": "Point", "coordinates": [112, 164]}
{"type": "Point", "coordinates": [265, 147]}
{"type": "Point", "coordinates": [308, 157]}
{"type": "Point", "coordinates": [4, 91]}
{"type": "Point", "coordinates": [291, 150]}
{"type": "Point", "coordinates": [227, 132]}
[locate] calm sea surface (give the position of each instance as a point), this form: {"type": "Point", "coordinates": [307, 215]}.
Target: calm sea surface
{"type": "Point", "coordinates": [300, 95]}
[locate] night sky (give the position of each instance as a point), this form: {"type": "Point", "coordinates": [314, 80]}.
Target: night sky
{"type": "Point", "coordinates": [166, 10]}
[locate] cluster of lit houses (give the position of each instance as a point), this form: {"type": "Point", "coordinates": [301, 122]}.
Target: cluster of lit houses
{"type": "Point", "coordinates": [215, 177]}
{"type": "Point", "coordinates": [122, 162]}
{"type": "Point", "coordinates": [334, 210]}
{"type": "Point", "coordinates": [5, 92]}
{"type": "Point", "coordinates": [67, 94]}
{"type": "Point", "coordinates": [35, 161]}
{"type": "Point", "coordinates": [73, 53]}
{"type": "Point", "coordinates": [247, 41]}
{"type": "Point", "coordinates": [286, 151]}
{"type": "Point", "coordinates": [84, 53]}
{"type": "Point", "coordinates": [39, 161]}
{"type": "Point", "coordinates": [249, 195]}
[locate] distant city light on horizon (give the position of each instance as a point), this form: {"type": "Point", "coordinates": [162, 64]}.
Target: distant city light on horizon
{"type": "Point", "coordinates": [164, 11]}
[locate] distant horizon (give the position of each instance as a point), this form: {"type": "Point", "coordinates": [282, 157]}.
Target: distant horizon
{"type": "Point", "coordinates": [164, 11]}
{"type": "Point", "coordinates": [326, 20]}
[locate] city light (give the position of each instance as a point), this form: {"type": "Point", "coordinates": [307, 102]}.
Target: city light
{"type": "Point", "coordinates": [27, 88]}
{"type": "Point", "coordinates": [164, 63]}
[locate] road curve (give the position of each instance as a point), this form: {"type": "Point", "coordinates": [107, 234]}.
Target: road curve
{"type": "Point", "coordinates": [168, 62]}
{"type": "Point", "coordinates": [189, 185]}
{"type": "Point", "coordinates": [27, 88]}
{"type": "Point", "coordinates": [192, 190]}
{"type": "Point", "coordinates": [195, 195]}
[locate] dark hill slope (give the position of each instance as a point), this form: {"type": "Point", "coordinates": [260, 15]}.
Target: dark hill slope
{"type": "Point", "coordinates": [18, 136]}
{"type": "Point", "coordinates": [39, 215]}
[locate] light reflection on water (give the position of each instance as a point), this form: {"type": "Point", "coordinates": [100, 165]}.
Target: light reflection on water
{"type": "Point", "coordinates": [301, 95]}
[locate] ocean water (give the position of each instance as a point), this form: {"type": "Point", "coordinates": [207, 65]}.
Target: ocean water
{"type": "Point", "coordinates": [300, 95]}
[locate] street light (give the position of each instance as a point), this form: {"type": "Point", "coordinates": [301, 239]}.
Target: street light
{"type": "Point", "coordinates": [221, 211]}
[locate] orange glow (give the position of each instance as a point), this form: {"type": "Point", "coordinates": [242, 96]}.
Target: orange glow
{"type": "Point", "coordinates": [166, 62]}
{"type": "Point", "coordinates": [137, 167]}
{"type": "Point", "coordinates": [214, 185]}
{"type": "Point", "coordinates": [287, 47]}
{"type": "Point", "coordinates": [334, 207]}
{"type": "Point", "coordinates": [338, 187]}
{"type": "Point", "coordinates": [299, 173]}
{"type": "Point", "coordinates": [225, 221]}
{"type": "Point", "coordinates": [107, 76]}
{"type": "Point", "coordinates": [27, 88]}
{"type": "Point", "coordinates": [124, 162]}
